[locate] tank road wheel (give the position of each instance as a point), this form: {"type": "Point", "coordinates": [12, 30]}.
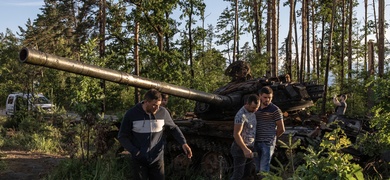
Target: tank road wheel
{"type": "Point", "coordinates": [215, 165]}
{"type": "Point", "coordinates": [181, 163]}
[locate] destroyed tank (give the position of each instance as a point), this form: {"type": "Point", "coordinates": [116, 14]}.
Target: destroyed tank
{"type": "Point", "coordinates": [209, 129]}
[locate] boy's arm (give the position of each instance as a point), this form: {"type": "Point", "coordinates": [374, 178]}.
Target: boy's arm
{"type": "Point", "coordinates": [336, 101]}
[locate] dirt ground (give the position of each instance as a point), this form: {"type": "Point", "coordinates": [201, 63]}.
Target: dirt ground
{"type": "Point", "coordinates": [22, 165]}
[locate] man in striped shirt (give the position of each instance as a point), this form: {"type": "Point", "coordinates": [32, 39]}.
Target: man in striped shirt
{"type": "Point", "coordinates": [269, 126]}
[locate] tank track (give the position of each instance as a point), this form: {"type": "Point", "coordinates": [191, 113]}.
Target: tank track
{"type": "Point", "coordinates": [203, 143]}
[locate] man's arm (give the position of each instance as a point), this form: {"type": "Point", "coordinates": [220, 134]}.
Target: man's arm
{"type": "Point", "coordinates": [240, 142]}
{"type": "Point", "coordinates": [280, 128]}
{"type": "Point", "coordinates": [278, 116]}
{"type": "Point", "coordinates": [187, 150]}
{"type": "Point", "coordinates": [125, 133]}
{"type": "Point", "coordinates": [176, 132]}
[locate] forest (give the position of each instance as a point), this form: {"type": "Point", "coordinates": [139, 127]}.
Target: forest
{"type": "Point", "coordinates": [328, 42]}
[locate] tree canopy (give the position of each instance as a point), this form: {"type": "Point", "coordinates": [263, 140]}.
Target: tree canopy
{"type": "Point", "coordinates": [183, 50]}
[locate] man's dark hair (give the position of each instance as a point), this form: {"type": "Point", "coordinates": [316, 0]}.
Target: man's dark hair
{"type": "Point", "coordinates": [152, 94]}
{"type": "Point", "coordinates": [266, 90]}
{"type": "Point", "coordinates": [253, 98]}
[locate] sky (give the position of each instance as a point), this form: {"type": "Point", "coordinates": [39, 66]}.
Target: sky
{"type": "Point", "coordinates": [14, 13]}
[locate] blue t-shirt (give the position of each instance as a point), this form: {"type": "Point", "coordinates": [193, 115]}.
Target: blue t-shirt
{"type": "Point", "coordinates": [248, 120]}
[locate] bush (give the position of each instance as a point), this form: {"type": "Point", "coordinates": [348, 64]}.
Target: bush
{"type": "Point", "coordinates": [330, 162]}
{"type": "Point", "coordinates": [377, 142]}
{"type": "Point", "coordinates": [101, 168]}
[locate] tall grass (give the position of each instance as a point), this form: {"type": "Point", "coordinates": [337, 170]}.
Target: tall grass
{"type": "Point", "coordinates": [92, 150]}
{"type": "Point", "coordinates": [101, 168]}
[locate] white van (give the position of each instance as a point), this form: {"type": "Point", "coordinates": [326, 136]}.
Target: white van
{"type": "Point", "coordinates": [16, 100]}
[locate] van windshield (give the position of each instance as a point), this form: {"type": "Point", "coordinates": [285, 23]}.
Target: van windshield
{"type": "Point", "coordinates": [41, 100]}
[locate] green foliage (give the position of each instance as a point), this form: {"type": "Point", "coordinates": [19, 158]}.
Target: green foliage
{"type": "Point", "coordinates": [47, 143]}
{"type": "Point", "coordinates": [30, 124]}
{"type": "Point", "coordinates": [377, 142]}
{"type": "Point", "coordinates": [258, 64]}
{"type": "Point", "coordinates": [11, 122]}
{"type": "Point", "coordinates": [71, 30]}
{"type": "Point", "coordinates": [12, 75]}
{"type": "Point", "coordinates": [33, 134]}
{"type": "Point", "coordinates": [209, 67]}
{"type": "Point", "coordinates": [17, 140]}
{"type": "Point", "coordinates": [290, 148]}
{"type": "Point", "coordinates": [89, 95]}
{"type": "Point", "coordinates": [284, 170]}
{"type": "Point", "coordinates": [102, 168]}
{"type": "Point", "coordinates": [3, 164]}
{"type": "Point", "coordinates": [107, 168]}
{"type": "Point", "coordinates": [330, 162]}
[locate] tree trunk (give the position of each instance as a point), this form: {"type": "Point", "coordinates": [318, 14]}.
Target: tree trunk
{"type": "Point", "coordinates": [365, 35]}
{"type": "Point", "coordinates": [381, 42]}
{"type": "Point", "coordinates": [238, 31]}
{"type": "Point", "coordinates": [371, 58]}
{"type": "Point", "coordinates": [190, 40]}
{"type": "Point", "coordinates": [275, 36]}
{"type": "Point", "coordinates": [341, 78]}
{"type": "Point", "coordinates": [375, 21]}
{"type": "Point", "coordinates": [307, 9]}
{"type": "Point", "coordinates": [235, 45]}
{"type": "Point", "coordinates": [304, 36]}
{"type": "Point", "coordinates": [318, 62]}
{"type": "Point", "coordinates": [260, 26]}
{"type": "Point", "coordinates": [167, 46]}
{"type": "Point", "coordinates": [322, 39]}
{"type": "Point", "coordinates": [329, 56]}
{"type": "Point", "coordinates": [269, 24]}
{"type": "Point", "coordinates": [137, 93]}
{"type": "Point", "coordinates": [371, 71]}
{"type": "Point", "coordinates": [296, 44]}
{"type": "Point", "coordinates": [314, 39]}
{"type": "Point", "coordinates": [158, 30]}
{"type": "Point", "coordinates": [350, 40]}
{"type": "Point", "coordinates": [160, 42]}
{"type": "Point", "coordinates": [102, 46]}
{"type": "Point", "coordinates": [257, 26]}
{"type": "Point", "coordinates": [289, 39]}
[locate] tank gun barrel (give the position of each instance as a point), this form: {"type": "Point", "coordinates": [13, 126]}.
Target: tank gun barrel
{"type": "Point", "coordinates": [35, 57]}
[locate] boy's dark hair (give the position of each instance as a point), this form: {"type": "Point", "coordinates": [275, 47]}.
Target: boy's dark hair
{"type": "Point", "coordinates": [266, 90]}
{"type": "Point", "coordinates": [152, 94]}
{"type": "Point", "coordinates": [164, 96]}
{"type": "Point", "coordinates": [253, 98]}
{"type": "Point", "coordinates": [344, 96]}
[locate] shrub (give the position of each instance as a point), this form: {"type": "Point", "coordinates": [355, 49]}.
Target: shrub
{"type": "Point", "coordinates": [330, 162]}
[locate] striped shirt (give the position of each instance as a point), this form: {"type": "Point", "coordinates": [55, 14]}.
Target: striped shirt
{"type": "Point", "coordinates": [266, 123]}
